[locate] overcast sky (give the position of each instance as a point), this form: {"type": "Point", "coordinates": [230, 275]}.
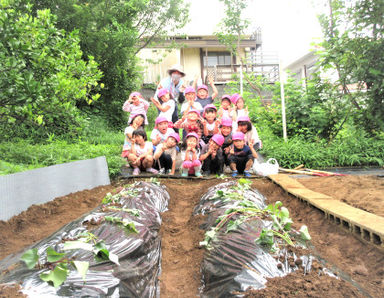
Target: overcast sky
{"type": "Point", "coordinates": [288, 26]}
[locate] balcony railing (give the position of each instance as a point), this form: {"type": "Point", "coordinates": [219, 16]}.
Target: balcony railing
{"type": "Point", "coordinates": [224, 73]}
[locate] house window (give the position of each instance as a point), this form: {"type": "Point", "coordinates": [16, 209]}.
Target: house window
{"type": "Point", "coordinates": [217, 58]}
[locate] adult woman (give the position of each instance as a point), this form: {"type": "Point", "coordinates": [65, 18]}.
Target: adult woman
{"type": "Point", "coordinates": [175, 85]}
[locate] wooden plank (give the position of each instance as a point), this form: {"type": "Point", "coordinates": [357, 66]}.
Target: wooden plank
{"type": "Point", "coordinates": [365, 220]}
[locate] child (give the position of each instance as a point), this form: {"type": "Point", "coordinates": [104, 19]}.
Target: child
{"type": "Point", "coordinates": [202, 92]}
{"type": "Point", "coordinates": [136, 104]}
{"type": "Point", "coordinates": [137, 122]}
{"type": "Point", "coordinates": [239, 106]}
{"type": "Point", "coordinates": [190, 123]}
{"type": "Point", "coordinates": [226, 132]}
{"type": "Point", "coordinates": [141, 157]}
{"type": "Point", "coordinates": [241, 157]}
{"type": "Point", "coordinates": [251, 136]}
{"type": "Point", "coordinates": [161, 131]}
{"type": "Point", "coordinates": [166, 154]}
{"type": "Point", "coordinates": [212, 155]}
{"type": "Point", "coordinates": [190, 103]}
{"type": "Point", "coordinates": [225, 109]}
{"type": "Point", "coordinates": [167, 107]}
{"type": "Point", "coordinates": [210, 123]}
{"type": "Point", "coordinates": [190, 156]}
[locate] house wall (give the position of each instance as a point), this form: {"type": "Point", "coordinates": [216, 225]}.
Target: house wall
{"type": "Point", "coordinates": [156, 62]}
{"type": "Point", "coordinates": [190, 58]}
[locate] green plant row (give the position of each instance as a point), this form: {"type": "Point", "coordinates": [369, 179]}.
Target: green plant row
{"type": "Point", "coordinates": [22, 155]}
{"type": "Point", "coordinates": [347, 150]}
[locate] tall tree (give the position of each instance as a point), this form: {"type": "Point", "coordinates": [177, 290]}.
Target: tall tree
{"type": "Point", "coordinates": [114, 31]}
{"type": "Point", "coordinates": [354, 45]}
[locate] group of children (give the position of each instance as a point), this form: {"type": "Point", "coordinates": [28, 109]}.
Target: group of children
{"type": "Point", "coordinates": [212, 138]}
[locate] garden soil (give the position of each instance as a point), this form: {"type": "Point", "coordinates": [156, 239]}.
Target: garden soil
{"type": "Point", "coordinates": [350, 256]}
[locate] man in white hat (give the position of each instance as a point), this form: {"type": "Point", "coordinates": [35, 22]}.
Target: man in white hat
{"type": "Point", "coordinates": [175, 85]}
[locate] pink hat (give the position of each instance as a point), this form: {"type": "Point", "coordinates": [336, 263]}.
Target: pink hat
{"type": "Point", "coordinates": [189, 89]}
{"type": "Point", "coordinates": [175, 136]}
{"type": "Point", "coordinates": [226, 96]}
{"type": "Point", "coordinates": [226, 122]}
{"type": "Point", "coordinates": [238, 136]}
{"type": "Point", "coordinates": [235, 97]}
{"type": "Point", "coordinates": [243, 119]}
{"type": "Point", "coordinates": [133, 94]}
{"type": "Point", "coordinates": [218, 139]}
{"type": "Point", "coordinates": [194, 111]}
{"type": "Point", "coordinates": [192, 134]}
{"type": "Point", "coordinates": [160, 119]}
{"type": "Point", "coordinates": [210, 106]}
{"type": "Point", "coordinates": [162, 92]}
{"type": "Point", "coordinates": [202, 87]}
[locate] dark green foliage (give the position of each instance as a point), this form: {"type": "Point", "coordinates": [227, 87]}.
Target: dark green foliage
{"type": "Point", "coordinates": [43, 75]}
{"type": "Point", "coordinates": [354, 46]}
{"type": "Point", "coordinates": [114, 32]}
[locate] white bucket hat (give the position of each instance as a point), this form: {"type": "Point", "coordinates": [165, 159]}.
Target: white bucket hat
{"type": "Point", "coordinates": [176, 67]}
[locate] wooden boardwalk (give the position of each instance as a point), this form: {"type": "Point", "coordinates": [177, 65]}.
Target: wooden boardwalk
{"type": "Point", "coordinates": [364, 224]}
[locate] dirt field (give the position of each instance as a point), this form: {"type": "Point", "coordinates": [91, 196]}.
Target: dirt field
{"type": "Point", "coordinates": [181, 255]}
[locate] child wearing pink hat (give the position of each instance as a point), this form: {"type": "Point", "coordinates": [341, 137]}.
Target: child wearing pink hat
{"type": "Point", "coordinates": [252, 139]}
{"type": "Point", "coordinates": [165, 154]}
{"type": "Point", "coordinates": [226, 132]}
{"type": "Point", "coordinates": [190, 156]}
{"type": "Point", "coordinates": [212, 156]}
{"type": "Point", "coordinates": [239, 107]}
{"type": "Point", "coordinates": [136, 104]}
{"type": "Point", "coordinates": [240, 156]}
{"type": "Point", "coordinates": [210, 123]}
{"type": "Point", "coordinates": [202, 92]}
{"type": "Point", "coordinates": [161, 131]}
{"type": "Point", "coordinates": [167, 107]}
{"type": "Point", "coordinates": [190, 101]}
{"type": "Point", "coordinates": [191, 122]}
{"type": "Point", "coordinates": [225, 110]}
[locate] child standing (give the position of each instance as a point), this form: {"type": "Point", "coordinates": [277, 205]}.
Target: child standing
{"type": "Point", "coordinates": [190, 156]}
{"type": "Point", "coordinates": [167, 107]}
{"type": "Point", "coordinates": [136, 104]}
{"type": "Point", "coordinates": [166, 154]}
{"type": "Point", "coordinates": [202, 92]}
{"type": "Point", "coordinates": [137, 122]}
{"type": "Point", "coordinates": [241, 157]}
{"type": "Point", "coordinates": [161, 131]}
{"type": "Point", "coordinates": [190, 103]}
{"type": "Point", "coordinates": [225, 110]}
{"type": "Point", "coordinates": [141, 158]}
{"type": "Point", "coordinates": [210, 123]}
{"type": "Point", "coordinates": [212, 156]}
{"type": "Point", "coordinates": [239, 106]}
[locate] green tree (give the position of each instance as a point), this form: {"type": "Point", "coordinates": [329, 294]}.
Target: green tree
{"type": "Point", "coordinates": [114, 32]}
{"type": "Point", "coordinates": [354, 46]}
{"type": "Point", "coordinates": [43, 75]}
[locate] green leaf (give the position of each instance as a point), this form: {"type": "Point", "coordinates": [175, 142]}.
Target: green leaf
{"type": "Point", "coordinates": [130, 226]}
{"type": "Point", "coordinates": [30, 258]}
{"type": "Point", "coordinates": [54, 256]}
{"type": "Point", "coordinates": [304, 234]}
{"type": "Point", "coordinates": [77, 245]}
{"type": "Point", "coordinates": [82, 268]}
{"type": "Point", "coordinates": [56, 276]}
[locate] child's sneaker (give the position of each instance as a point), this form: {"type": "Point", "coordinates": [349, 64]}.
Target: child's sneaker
{"type": "Point", "coordinates": [235, 173]}
{"type": "Point", "coordinates": [184, 174]}
{"type": "Point", "coordinates": [198, 174]}
{"type": "Point", "coordinates": [247, 174]}
{"type": "Point", "coordinates": [152, 170]}
{"type": "Point", "coordinates": [136, 171]}
{"type": "Point", "coordinates": [162, 171]}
